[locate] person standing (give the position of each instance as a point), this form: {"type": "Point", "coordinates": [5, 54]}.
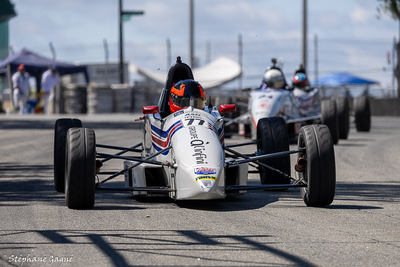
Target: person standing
{"type": "Point", "coordinates": [21, 87]}
{"type": "Point", "coordinates": [50, 78]}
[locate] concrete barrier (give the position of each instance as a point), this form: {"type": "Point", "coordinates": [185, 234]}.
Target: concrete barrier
{"type": "Point", "coordinates": [385, 107]}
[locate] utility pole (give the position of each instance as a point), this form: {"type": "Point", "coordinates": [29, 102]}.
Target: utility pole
{"type": "Point", "coordinates": [121, 50]}
{"type": "Point", "coordinates": [240, 57]}
{"type": "Point", "coordinates": [393, 65]}
{"type": "Point", "coordinates": [316, 57]}
{"type": "Point", "coordinates": [106, 58]}
{"type": "Point", "coordinates": [11, 48]}
{"type": "Point", "coordinates": [123, 16]}
{"type": "Point", "coordinates": [53, 51]}
{"type": "Point", "coordinates": [168, 53]}
{"type": "Point", "coordinates": [208, 51]}
{"type": "Point", "coordinates": [191, 33]}
{"type": "Point", "coordinates": [304, 58]}
{"type": "Point", "coordinates": [56, 103]}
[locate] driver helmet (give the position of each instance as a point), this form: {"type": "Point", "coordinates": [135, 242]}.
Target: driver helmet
{"type": "Point", "coordinates": [273, 78]}
{"type": "Point", "coordinates": [186, 93]}
{"type": "Point", "coordinates": [300, 80]}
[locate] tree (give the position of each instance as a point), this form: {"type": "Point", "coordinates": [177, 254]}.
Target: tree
{"type": "Point", "coordinates": [393, 8]}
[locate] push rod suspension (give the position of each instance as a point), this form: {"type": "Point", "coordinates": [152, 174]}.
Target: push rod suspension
{"type": "Point", "coordinates": [121, 148]}
{"type": "Point", "coordinates": [267, 156]}
{"type": "Point", "coordinates": [258, 187]}
{"type": "Point", "coordinates": [242, 144]}
{"type": "Point", "coordinates": [137, 164]}
{"type": "Point", "coordinates": [236, 156]}
{"type": "Point", "coordinates": [101, 155]}
{"type": "Point", "coordinates": [119, 153]}
{"type": "Point", "coordinates": [106, 173]}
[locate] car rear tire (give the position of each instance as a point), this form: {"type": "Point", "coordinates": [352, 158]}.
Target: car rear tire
{"type": "Point", "coordinates": [320, 173]}
{"type": "Point", "coordinates": [60, 136]}
{"type": "Point", "coordinates": [272, 137]}
{"type": "Point", "coordinates": [80, 168]}
{"type": "Point", "coordinates": [362, 113]}
{"type": "Point", "coordinates": [343, 112]}
{"type": "Point", "coordinates": [330, 118]}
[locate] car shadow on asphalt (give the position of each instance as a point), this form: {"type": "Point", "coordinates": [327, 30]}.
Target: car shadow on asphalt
{"type": "Point", "coordinates": [23, 183]}
{"type": "Point", "coordinates": [371, 192]}
{"type": "Point", "coordinates": [47, 125]}
{"type": "Point", "coordinates": [29, 190]}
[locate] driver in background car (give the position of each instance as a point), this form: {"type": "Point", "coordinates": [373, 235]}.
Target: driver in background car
{"type": "Point", "coordinates": [308, 97]}
{"type": "Point", "coordinates": [274, 78]}
{"type": "Point", "coordinates": [186, 93]}
{"type": "Point", "coordinates": [300, 79]}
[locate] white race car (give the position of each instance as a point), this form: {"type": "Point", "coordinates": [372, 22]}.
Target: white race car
{"type": "Point", "coordinates": [183, 155]}
{"type": "Point", "coordinates": [300, 105]}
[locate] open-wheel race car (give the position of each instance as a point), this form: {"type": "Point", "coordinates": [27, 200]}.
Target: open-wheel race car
{"type": "Point", "coordinates": [183, 155]}
{"type": "Point", "coordinates": [299, 105]}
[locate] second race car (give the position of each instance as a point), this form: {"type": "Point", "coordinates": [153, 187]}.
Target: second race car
{"type": "Point", "coordinates": [299, 105]}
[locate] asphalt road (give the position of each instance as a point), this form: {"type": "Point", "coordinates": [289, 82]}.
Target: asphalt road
{"type": "Point", "coordinates": [360, 228]}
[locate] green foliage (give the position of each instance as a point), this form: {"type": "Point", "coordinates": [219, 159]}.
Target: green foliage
{"type": "Point", "coordinates": [389, 6]}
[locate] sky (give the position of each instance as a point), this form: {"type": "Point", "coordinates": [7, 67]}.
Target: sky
{"type": "Point", "coordinates": [350, 36]}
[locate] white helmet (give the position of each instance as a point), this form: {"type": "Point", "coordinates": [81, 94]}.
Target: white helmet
{"type": "Point", "coordinates": [273, 78]}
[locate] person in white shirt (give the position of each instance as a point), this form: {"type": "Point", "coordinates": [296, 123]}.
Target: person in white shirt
{"type": "Point", "coordinates": [21, 87]}
{"type": "Point", "coordinates": [50, 78]}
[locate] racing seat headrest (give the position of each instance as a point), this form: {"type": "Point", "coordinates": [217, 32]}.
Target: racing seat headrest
{"type": "Point", "coordinates": [179, 71]}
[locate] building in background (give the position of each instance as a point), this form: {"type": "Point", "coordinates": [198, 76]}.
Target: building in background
{"type": "Point", "coordinates": [6, 13]}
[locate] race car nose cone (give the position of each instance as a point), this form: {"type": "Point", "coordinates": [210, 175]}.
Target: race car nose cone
{"type": "Point", "coordinates": [206, 182]}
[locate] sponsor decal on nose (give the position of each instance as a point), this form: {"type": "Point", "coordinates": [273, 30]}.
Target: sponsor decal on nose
{"type": "Point", "coordinates": [206, 177]}
{"type": "Point", "coordinates": [204, 171]}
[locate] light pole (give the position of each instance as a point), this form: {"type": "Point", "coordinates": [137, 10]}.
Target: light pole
{"type": "Point", "coordinates": [123, 16]}
{"type": "Point", "coordinates": [304, 54]}
{"type": "Point", "coordinates": [191, 33]}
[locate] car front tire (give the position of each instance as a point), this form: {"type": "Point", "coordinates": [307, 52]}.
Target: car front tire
{"type": "Point", "coordinates": [80, 168]}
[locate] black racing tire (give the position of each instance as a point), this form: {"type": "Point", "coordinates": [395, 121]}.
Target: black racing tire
{"type": "Point", "coordinates": [343, 112]}
{"type": "Point", "coordinates": [272, 137]}
{"type": "Point", "coordinates": [60, 135]}
{"type": "Point", "coordinates": [80, 168]}
{"type": "Point", "coordinates": [330, 118]}
{"type": "Point", "coordinates": [362, 114]}
{"type": "Point", "coordinates": [320, 174]}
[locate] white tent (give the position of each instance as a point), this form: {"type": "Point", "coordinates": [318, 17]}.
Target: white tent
{"type": "Point", "coordinates": [213, 74]}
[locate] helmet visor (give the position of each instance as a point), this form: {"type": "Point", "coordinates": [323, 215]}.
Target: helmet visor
{"type": "Point", "coordinates": [198, 102]}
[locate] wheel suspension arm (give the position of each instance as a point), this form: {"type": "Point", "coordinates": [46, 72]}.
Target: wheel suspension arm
{"type": "Point", "coordinates": [140, 161]}
{"type": "Point", "coordinates": [243, 144]}
{"type": "Point", "coordinates": [124, 150]}
{"type": "Point", "coordinates": [103, 155]}
{"type": "Point", "coordinates": [267, 156]}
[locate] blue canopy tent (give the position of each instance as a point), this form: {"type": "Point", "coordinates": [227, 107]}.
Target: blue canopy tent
{"type": "Point", "coordinates": [343, 78]}
{"type": "Point", "coordinates": [35, 65]}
